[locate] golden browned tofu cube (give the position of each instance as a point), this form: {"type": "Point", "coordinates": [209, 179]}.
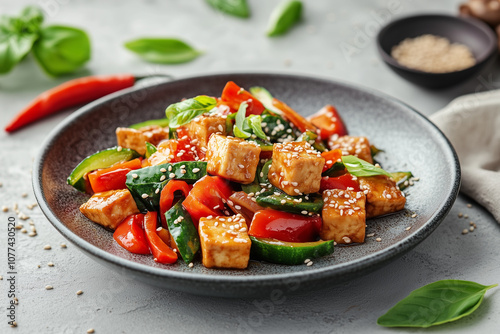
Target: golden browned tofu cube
{"type": "Point", "coordinates": [109, 208]}
{"type": "Point", "coordinates": [296, 168]}
{"type": "Point", "coordinates": [232, 158]}
{"type": "Point", "coordinates": [382, 195]}
{"type": "Point", "coordinates": [357, 146]}
{"type": "Point", "coordinates": [344, 218]}
{"type": "Point", "coordinates": [136, 139]}
{"type": "Point", "coordinates": [202, 127]}
{"type": "Point", "coordinates": [224, 242]}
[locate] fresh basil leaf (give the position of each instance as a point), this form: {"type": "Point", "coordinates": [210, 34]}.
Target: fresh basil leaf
{"type": "Point", "coordinates": [241, 133]}
{"type": "Point", "coordinates": [284, 17]}
{"type": "Point", "coordinates": [263, 95]}
{"type": "Point", "coordinates": [185, 111]}
{"type": "Point", "coordinates": [15, 44]}
{"type": "Point", "coordinates": [255, 123]}
{"type": "Point", "coordinates": [32, 17]}
{"type": "Point", "coordinates": [435, 304]}
{"type": "Point", "coordinates": [359, 167]}
{"type": "Point", "coordinates": [233, 7]}
{"type": "Point", "coordinates": [239, 126]}
{"type": "Point", "coordinates": [61, 50]}
{"type": "Point", "coordinates": [163, 50]}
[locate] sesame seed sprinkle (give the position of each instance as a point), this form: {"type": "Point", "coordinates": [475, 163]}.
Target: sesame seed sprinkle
{"type": "Point", "coordinates": [49, 287]}
{"type": "Point", "coordinates": [171, 175]}
{"type": "Point", "coordinates": [79, 292]}
{"type": "Point", "coordinates": [144, 195]}
{"type": "Point", "coordinates": [378, 239]}
{"type": "Point", "coordinates": [310, 263]}
{"type": "Point", "coordinates": [90, 331]}
{"type": "Point", "coordinates": [469, 205]}
{"type": "Point", "coordinates": [162, 178]}
{"type": "Point", "coordinates": [163, 170]}
{"type": "Point", "coordinates": [465, 231]}
{"type": "Point", "coordinates": [135, 176]}
{"type": "Point", "coordinates": [191, 265]}
{"type": "Point", "coordinates": [408, 228]}
{"type": "Point", "coordinates": [63, 245]}
{"type": "Point", "coordinates": [47, 247]}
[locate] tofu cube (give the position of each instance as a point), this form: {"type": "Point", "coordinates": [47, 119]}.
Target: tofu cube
{"type": "Point", "coordinates": [357, 146]}
{"type": "Point", "coordinates": [136, 139]}
{"type": "Point", "coordinates": [344, 218]}
{"type": "Point", "coordinates": [224, 242]}
{"type": "Point", "coordinates": [296, 168]}
{"type": "Point", "coordinates": [201, 128]}
{"type": "Point", "coordinates": [109, 208]}
{"type": "Point", "coordinates": [232, 158]}
{"type": "Point", "coordinates": [382, 195]}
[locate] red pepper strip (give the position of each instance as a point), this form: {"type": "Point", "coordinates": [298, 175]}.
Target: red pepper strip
{"type": "Point", "coordinates": [68, 94]}
{"type": "Point", "coordinates": [198, 210]}
{"type": "Point", "coordinates": [130, 235]}
{"type": "Point", "coordinates": [167, 196]}
{"type": "Point", "coordinates": [114, 177]}
{"type": "Point", "coordinates": [285, 226]}
{"type": "Point", "coordinates": [161, 252]}
{"type": "Point", "coordinates": [233, 95]}
{"type": "Point", "coordinates": [340, 182]}
{"type": "Point", "coordinates": [329, 122]}
{"type": "Point", "coordinates": [291, 115]}
{"type": "Point", "coordinates": [331, 157]}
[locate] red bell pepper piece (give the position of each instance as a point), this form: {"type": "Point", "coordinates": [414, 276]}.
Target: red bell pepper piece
{"type": "Point", "coordinates": [161, 252]}
{"type": "Point", "coordinates": [340, 182]}
{"type": "Point", "coordinates": [114, 177]}
{"type": "Point", "coordinates": [130, 235]}
{"type": "Point", "coordinates": [291, 115]}
{"type": "Point", "coordinates": [329, 122]}
{"type": "Point", "coordinates": [233, 95]}
{"type": "Point", "coordinates": [331, 157]}
{"type": "Point", "coordinates": [285, 226]}
{"type": "Point", "coordinates": [167, 196]}
{"type": "Point", "coordinates": [207, 197]}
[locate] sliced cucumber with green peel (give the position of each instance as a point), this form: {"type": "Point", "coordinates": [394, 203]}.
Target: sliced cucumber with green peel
{"type": "Point", "coordinates": [296, 204]}
{"type": "Point", "coordinates": [150, 149]}
{"type": "Point", "coordinates": [335, 170]}
{"type": "Point", "coordinates": [263, 174]}
{"type": "Point", "coordinates": [400, 178]}
{"type": "Point", "coordinates": [290, 253]}
{"type": "Point", "coordinates": [102, 159]}
{"type": "Point", "coordinates": [163, 122]}
{"type": "Point", "coordinates": [183, 232]}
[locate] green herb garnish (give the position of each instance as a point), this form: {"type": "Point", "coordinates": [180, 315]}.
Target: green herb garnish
{"type": "Point", "coordinates": [435, 304]}
{"type": "Point", "coordinates": [185, 111]}
{"type": "Point", "coordinates": [163, 50]}
{"type": "Point", "coordinates": [239, 122]}
{"type": "Point", "coordinates": [284, 17]}
{"type": "Point", "coordinates": [359, 167]}
{"type": "Point", "coordinates": [237, 8]}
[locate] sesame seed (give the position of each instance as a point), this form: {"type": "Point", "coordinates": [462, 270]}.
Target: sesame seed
{"type": "Point", "coordinates": [466, 216]}
{"type": "Point", "coordinates": [162, 178]}
{"type": "Point", "coordinates": [283, 201]}
{"type": "Point", "coordinates": [370, 235]}
{"type": "Point", "coordinates": [47, 247]}
{"type": "Point", "coordinates": [469, 205]}
{"type": "Point", "coordinates": [297, 191]}
{"type": "Point", "coordinates": [471, 228]}
{"type": "Point", "coordinates": [241, 166]}
{"type": "Point", "coordinates": [163, 170]}
{"type": "Point", "coordinates": [63, 245]}
{"type": "Point", "coordinates": [408, 228]}
{"type": "Point", "coordinates": [119, 148]}
{"type": "Point", "coordinates": [183, 171]}
{"type": "Point", "coordinates": [90, 331]}
{"type": "Point", "coordinates": [135, 176]}
{"type": "Point", "coordinates": [24, 195]}
{"type": "Point", "coordinates": [79, 292]}
{"type": "Point", "coordinates": [378, 239]}
{"type": "Point", "coordinates": [19, 226]}
{"type": "Point", "coordinates": [159, 229]}
{"type": "Point", "coordinates": [5, 208]}
{"type": "Point", "coordinates": [414, 215]}
{"type": "Point", "coordinates": [310, 263]}
{"type": "Point", "coordinates": [304, 212]}
{"type": "Point", "coordinates": [144, 195]}
{"type": "Point", "coordinates": [460, 215]}
{"type": "Point", "coordinates": [32, 234]}
{"type": "Point", "coordinates": [195, 170]}
{"type": "Point", "coordinates": [49, 287]}
{"type": "Point", "coordinates": [50, 264]}
{"type": "Point", "coordinates": [465, 231]}
{"type": "Point", "coordinates": [171, 175]}
{"type": "Point", "coordinates": [23, 230]}
{"type": "Point", "coordinates": [191, 265]}
{"type": "Point", "coordinates": [307, 260]}
{"type": "Point", "coordinates": [157, 190]}
{"type": "Point", "coordinates": [13, 324]}
{"type": "Point", "coordinates": [347, 240]}
{"type": "Point", "coordinates": [237, 207]}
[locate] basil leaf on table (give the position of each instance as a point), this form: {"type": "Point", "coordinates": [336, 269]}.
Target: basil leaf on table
{"type": "Point", "coordinates": [185, 111]}
{"type": "Point", "coordinates": [360, 167]}
{"type": "Point", "coordinates": [163, 50]}
{"type": "Point", "coordinates": [435, 304]}
{"type": "Point", "coordinates": [233, 7]}
{"type": "Point", "coordinates": [61, 49]}
{"type": "Point", "coordinates": [32, 17]}
{"type": "Point", "coordinates": [15, 43]}
{"type": "Point", "coordinates": [239, 126]}
{"type": "Point", "coordinates": [284, 17]}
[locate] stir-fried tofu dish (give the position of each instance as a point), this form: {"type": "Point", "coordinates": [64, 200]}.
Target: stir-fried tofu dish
{"type": "Point", "coordinates": [225, 180]}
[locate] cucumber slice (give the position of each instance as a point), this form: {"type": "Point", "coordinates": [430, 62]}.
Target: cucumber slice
{"type": "Point", "coordinates": [102, 159]}
{"type": "Point", "coordinates": [290, 253]}
{"type": "Point", "coordinates": [280, 201]}
{"type": "Point", "coordinates": [150, 181]}
{"type": "Point", "coordinates": [335, 170]}
{"type": "Point", "coordinates": [263, 174]}
{"type": "Point", "coordinates": [150, 149]}
{"type": "Point", "coordinates": [163, 122]}
{"type": "Point", "coordinates": [400, 178]}
{"type": "Point", "coordinates": [183, 231]}
{"type": "Point", "coordinates": [312, 139]}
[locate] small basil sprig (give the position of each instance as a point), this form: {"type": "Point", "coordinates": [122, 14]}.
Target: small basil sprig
{"type": "Point", "coordinates": [58, 49]}
{"type": "Point", "coordinates": [359, 167]}
{"type": "Point", "coordinates": [284, 17]}
{"type": "Point", "coordinates": [244, 127]}
{"type": "Point", "coordinates": [233, 7]}
{"type": "Point", "coordinates": [185, 111]}
{"type": "Point", "coordinates": [435, 304]}
{"type": "Point", "coordinates": [163, 50]}
{"type": "Point", "coordinates": [239, 122]}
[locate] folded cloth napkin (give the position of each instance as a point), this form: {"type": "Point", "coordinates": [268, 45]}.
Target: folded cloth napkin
{"type": "Point", "coordinates": [472, 124]}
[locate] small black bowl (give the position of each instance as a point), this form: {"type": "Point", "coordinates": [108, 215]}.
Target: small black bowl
{"type": "Point", "coordinates": [476, 35]}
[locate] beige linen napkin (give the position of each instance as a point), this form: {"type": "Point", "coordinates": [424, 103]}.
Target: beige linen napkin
{"type": "Point", "coordinates": [472, 124]}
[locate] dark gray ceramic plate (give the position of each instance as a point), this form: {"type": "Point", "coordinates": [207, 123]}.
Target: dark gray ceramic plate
{"type": "Point", "coordinates": [410, 142]}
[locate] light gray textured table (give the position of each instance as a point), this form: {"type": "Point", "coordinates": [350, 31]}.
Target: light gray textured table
{"type": "Point", "coordinates": [114, 304]}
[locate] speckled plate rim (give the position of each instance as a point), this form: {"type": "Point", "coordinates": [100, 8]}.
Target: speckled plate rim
{"type": "Point", "coordinates": [364, 263]}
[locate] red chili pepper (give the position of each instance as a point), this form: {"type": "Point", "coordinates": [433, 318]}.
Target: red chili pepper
{"type": "Point", "coordinates": [161, 252]}
{"type": "Point", "coordinates": [340, 182]}
{"type": "Point", "coordinates": [331, 157]}
{"type": "Point", "coordinates": [167, 196]}
{"type": "Point", "coordinates": [285, 226]}
{"type": "Point", "coordinates": [329, 122]}
{"type": "Point", "coordinates": [291, 115]}
{"type": "Point", "coordinates": [114, 177]}
{"type": "Point", "coordinates": [233, 95]}
{"type": "Point", "coordinates": [68, 94]}
{"type": "Point", "coordinates": [130, 235]}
